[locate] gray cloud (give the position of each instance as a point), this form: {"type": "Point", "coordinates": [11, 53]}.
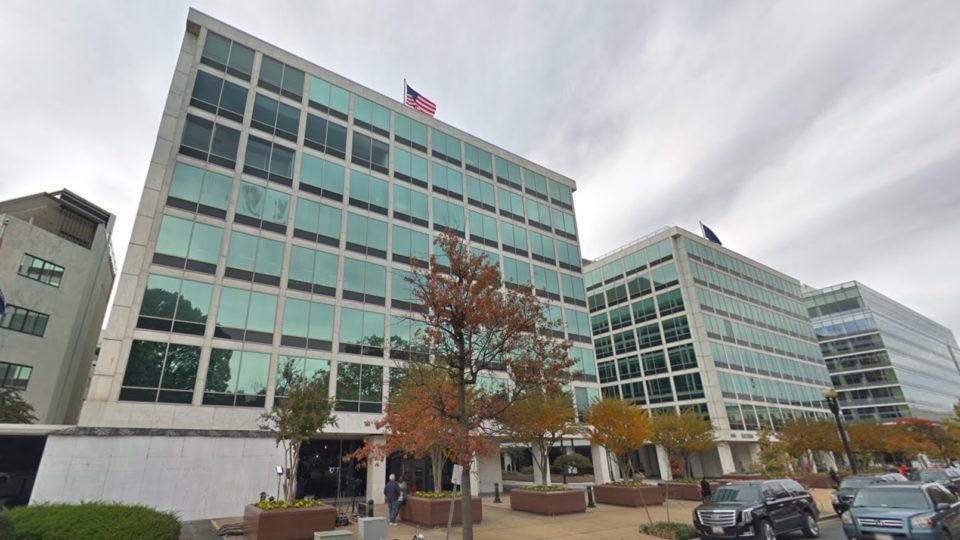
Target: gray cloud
{"type": "Point", "coordinates": [821, 138]}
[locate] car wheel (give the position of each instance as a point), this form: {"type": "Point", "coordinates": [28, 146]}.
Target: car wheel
{"type": "Point", "coordinates": [766, 531]}
{"type": "Point", "coordinates": [810, 527]}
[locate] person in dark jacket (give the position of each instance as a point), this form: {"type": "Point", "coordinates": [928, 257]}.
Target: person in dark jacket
{"type": "Point", "coordinates": [705, 489]}
{"type": "Point", "coordinates": [835, 477]}
{"type": "Point", "coordinates": [392, 493]}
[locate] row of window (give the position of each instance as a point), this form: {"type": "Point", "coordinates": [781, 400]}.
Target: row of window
{"type": "Point", "coordinates": [228, 99]}
{"type": "Point", "coordinates": [643, 337]}
{"type": "Point", "coordinates": [20, 319]}
{"type": "Point", "coordinates": [15, 376]}
{"type": "Point", "coordinates": [630, 264]}
{"type": "Point", "coordinates": [758, 338]}
{"type": "Point", "coordinates": [740, 269]}
{"type": "Point", "coordinates": [750, 361]}
{"type": "Point", "coordinates": [741, 288]}
{"type": "Point", "coordinates": [745, 416]}
{"type": "Point", "coordinates": [750, 312]}
{"type": "Point", "coordinates": [658, 279]}
{"type": "Point", "coordinates": [659, 390]}
{"type": "Point", "coordinates": [647, 309]}
{"type": "Point", "coordinates": [648, 364]}
{"type": "Point", "coordinates": [40, 270]}
{"type": "Point", "coordinates": [747, 387]}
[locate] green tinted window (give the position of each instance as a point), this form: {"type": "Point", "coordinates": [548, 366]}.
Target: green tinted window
{"type": "Point", "coordinates": [509, 172]}
{"type": "Point", "coordinates": [329, 98]}
{"type": "Point", "coordinates": [561, 194]}
{"type": "Point", "coordinates": [411, 133]}
{"type": "Point", "coordinates": [481, 193]}
{"type": "Point", "coordinates": [546, 280]}
{"type": "Point", "coordinates": [224, 54]}
{"type": "Point", "coordinates": [366, 235]}
{"type": "Point", "coordinates": [281, 78]}
{"type": "Point", "coordinates": [361, 332]}
{"type": "Point", "coordinates": [409, 167]}
{"type": "Point", "coordinates": [514, 237]}
{"type": "Point", "coordinates": [447, 180]}
{"type": "Point", "coordinates": [410, 244]}
{"type": "Point", "coordinates": [446, 147]}
{"type": "Point", "coordinates": [410, 205]}
{"type": "Point", "coordinates": [237, 378]}
{"type": "Point", "coordinates": [160, 372]}
{"type": "Point", "coordinates": [535, 183]}
{"type": "Point", "coordinates": [364, 281]}
{"type": "Point", "coordinates": [478, 161]}
{"type": "Point", "coordinates": [447, 215]}
{"type": "Point", "coordinates": [371, 116]}
{"type": "Point", "coordinates": [326, 177]}
{"type": "Point", "coordinates": [359, 387]}
{"type": "Point", "coordinates": [516, 271]}
{"type": "Point", "coordinates": [368, 192]}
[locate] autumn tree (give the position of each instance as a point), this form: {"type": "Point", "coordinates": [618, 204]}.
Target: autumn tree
{"type": "Point", "coordinates": [478, 333]}
{"type": "Point", "coordinates": [14, 409]}
{"type": "Point", "coordinates": [801, 435]}
{"type": "Point", "coordinates": [541, 420]}
{"type": "Point", "coordinates": [413, 427]}
{"type": "Point", "coordinates": [302, 414]}
{"type": "Point", "coordinates": [621, 427]}
{"type": "Point", "coordinates": [683, 435]}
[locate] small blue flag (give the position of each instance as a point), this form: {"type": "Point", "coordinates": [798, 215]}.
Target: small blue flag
{"type": "Point", "coordinates": [3, 304]}
{"type": "Point", "coordinates": [710, 235]}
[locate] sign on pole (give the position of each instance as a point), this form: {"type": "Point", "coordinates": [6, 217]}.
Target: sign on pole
{"type": "Point", "coordinates": [457, 474]}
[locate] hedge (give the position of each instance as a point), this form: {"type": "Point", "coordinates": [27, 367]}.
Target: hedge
{"type": "Point", "coordinates": [670, 530]}
{"type": "Point", "coordinates": [6, 526]}
{"type": "Point", "coordinates": [93, 521]}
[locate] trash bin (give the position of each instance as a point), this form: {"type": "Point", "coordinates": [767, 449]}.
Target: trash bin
{"type": "Point", "coordinates": [374, 528]}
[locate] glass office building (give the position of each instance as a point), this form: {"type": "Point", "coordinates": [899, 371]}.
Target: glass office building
{"type": "Point", "coordinates": [681, 323]}
{"type": "Point", "coordinates": [886, 360]}
{"type": "Point", "coordinates": [284, 208]}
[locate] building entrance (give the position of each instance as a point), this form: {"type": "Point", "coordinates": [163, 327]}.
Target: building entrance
{"type": "Point", "coordinates": [323, 473]}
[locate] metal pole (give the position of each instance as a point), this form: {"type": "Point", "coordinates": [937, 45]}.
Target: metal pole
{"type": "Point", "coordinates": [496, 492]}
{"type": "Point", "coordinates": [835, 409]}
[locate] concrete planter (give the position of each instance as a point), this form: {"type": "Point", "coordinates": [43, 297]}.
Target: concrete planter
{"type": "Point", "coordinates": [548, 503]}
{"type": "Point", "coordinates": [434, 512]}
{"type": "Point", "coordinates": [686, 492]}
{"type": "Point", "coordinates": [287, 524]}
{"type": "Point", "coordinates": [628, 495]}
{"type": "Point", "coordinates": [815, 481]}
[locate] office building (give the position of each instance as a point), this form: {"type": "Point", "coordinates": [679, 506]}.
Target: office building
{"type": "Point", "coordinates": [885, 360]}
{"type": "Point", "coordinates": [283, 207]}
{"type": "Point", "coordinates": [56, 273]}
{"type": "Point", "coordinates": [682, 323]}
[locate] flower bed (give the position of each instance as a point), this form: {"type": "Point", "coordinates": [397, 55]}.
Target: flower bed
{"type": "Point", "coordinates": [632, 494]}
{"type": "Point", "coordinates": [290, 523]}
{"type": "Point", "coordinates": [686, 492]}
{"type": "Point", "coordinates": [547, 500]}
{"type": "Point", "coordinates": [433, 509]}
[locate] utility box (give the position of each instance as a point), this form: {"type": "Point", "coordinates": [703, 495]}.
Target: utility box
{"type": "Point", "coordinates": [333, 535]}
{"type": "Point", "coordinates": [373, 528]}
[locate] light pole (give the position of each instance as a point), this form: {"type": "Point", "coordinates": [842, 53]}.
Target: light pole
{"type": "Point", "coordinates": [830, 395]}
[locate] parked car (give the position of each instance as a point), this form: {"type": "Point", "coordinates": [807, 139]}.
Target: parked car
{"type": "Point", "coordinates": [761, 510]}
{"type": "Point", "coordinates": [920, 511]}
{"type": "Point", "coordinates": [844, 494]}
{"type": "Point", "coordinates": [948, 478]}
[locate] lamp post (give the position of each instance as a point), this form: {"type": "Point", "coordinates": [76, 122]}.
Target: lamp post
{"type": "Point", "coordinates": [830, 395]}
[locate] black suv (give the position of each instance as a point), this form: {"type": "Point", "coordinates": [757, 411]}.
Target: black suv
{"type": "Point", "coordinates": [760, 510]}
{"type": "Point", "coordinates": [843, 496]}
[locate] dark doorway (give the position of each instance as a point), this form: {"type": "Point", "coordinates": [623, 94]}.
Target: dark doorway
{"type": "Point", "coordinates": [418, 472]}
{"type": "Point", "coordinates": [323, 473]}
{"type": "Point", "coordinates": [19, 462]}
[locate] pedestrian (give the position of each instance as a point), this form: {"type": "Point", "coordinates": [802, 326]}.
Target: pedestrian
{"type": "Point", "coordinates": [402, 484]}
{"type": "Point", "coordinates": [705, 490]}
{"type": "Point", "coordinates": [904, 469]}
{"type": "Point", "coordinates": [392, 493]}
{"type": "Point", "coordinates": [834, 477]}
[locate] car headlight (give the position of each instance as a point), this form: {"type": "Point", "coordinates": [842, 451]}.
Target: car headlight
{"type": "Point", "coordinates": [846, 518]}
{"type": "Point", "coordinates": [746, 516]}
{"type": "Point", "coordinates": [921, 522]}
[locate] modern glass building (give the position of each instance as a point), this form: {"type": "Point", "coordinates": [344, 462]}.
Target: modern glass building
{"type": "Point", "coordinates": [886, 360]}
{"type": "Point", "coordinates": [681, 323]}
{"type": "Point", "coordinates": [283, 209]}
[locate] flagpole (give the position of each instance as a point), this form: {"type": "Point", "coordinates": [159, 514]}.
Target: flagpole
{"type": "Point", "coordinates": [403, 98]}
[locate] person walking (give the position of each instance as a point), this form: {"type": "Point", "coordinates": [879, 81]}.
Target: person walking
{"type": "Point", "coordinates": [404, 490]}
{"type": "Point", "coordinates": [392, 493]}
{"type": "Point", "coordinates": [904, 469]}
{"type": "Point", "coordinates": [705, 490]}
{"type": "Point", "coordinates": [835, 477]}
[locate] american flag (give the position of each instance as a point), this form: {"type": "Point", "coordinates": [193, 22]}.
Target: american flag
{"type": "Point", "coordinates": [418, 102]}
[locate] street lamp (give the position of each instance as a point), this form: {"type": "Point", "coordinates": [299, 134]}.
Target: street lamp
{"type": "Point", "coordinates": [830, 395]}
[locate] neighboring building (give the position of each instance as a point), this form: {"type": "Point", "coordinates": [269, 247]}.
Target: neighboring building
{"type": "Point", "coordinates": [56, 273]}
{"type": "Point", "coordinates": [682, 323]}
{"type": "Point", "coordinates": [282, 210]}
{"type": "Point", "coordinates": [886, 360]}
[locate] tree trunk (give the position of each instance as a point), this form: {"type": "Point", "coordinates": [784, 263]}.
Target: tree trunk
{"type": "Point", "coordinates": [544, 464]}
{"type": "Point", "coordinates": [466, 514]}
{"type": "Point", "coordinates": [293, 464]}
{"type": "Point", "coordinates": [437, 461]}
{"type": "Point", "coordinates": [666, 499]}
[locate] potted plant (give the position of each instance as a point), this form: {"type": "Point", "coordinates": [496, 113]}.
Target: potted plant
{"type": "Point", "coordinates": [303, 414]}
{"type": "Point", "coordinates": [432, 508]}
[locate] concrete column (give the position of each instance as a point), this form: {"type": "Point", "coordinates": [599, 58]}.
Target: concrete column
{"type": "Point", "coordinates": [537, 478]}
{"type": "Point", "coordinates": [663, 461]}
{"type": "Point", "coordinates": [727, 465]}
{"type": "Point", "coordinates": [376, 475]}
{"type": "Point", "coordinates": [828, 460]}
{"type": "Point", "coordinates": [474, 477]}
{"type": "Point", "coordinates": [489, 472]}
{"type": "Point", "coordinates": [601, 464]}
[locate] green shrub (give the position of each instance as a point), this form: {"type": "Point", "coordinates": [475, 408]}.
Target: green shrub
{"type": "Point", "coordinates": [432, 495]}
{"type": "Point", "coordinates": [670, 530]}
{"type": "Point", "coordinates": [544, 488]}
{"type": "Point", "coordinates": [6, 526]}
{"type": "Point", "coordinates": [627, 483]}
{"type": "Point", "coordinates": [93, 521]}
{"type": "Point", "coordinates": [575, 460]}
{"type": "Point", "coordinates": [283, 505]}
{"type": "Point", "coordinates": [526, 469]}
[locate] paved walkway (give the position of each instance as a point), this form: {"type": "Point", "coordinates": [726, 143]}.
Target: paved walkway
{"type": "Point", "coordinates": [604, 522]}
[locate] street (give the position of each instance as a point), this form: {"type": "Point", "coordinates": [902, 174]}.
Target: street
{"type": "Point", "coordinates": [830, 529]}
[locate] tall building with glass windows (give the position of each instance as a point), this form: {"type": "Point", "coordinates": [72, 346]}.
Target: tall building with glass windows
{"type": "Point", "coordinates": [885, 360]}
{"type": "Point", "coordinates": [681, 323]}
{"type": "Point", "coordinates": [283, 209]}
{"type": "Point", "coordinates": [56, 273]}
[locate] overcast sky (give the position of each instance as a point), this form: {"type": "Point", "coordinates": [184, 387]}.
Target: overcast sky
{"type": "Point", "coordinates": [820, 138]}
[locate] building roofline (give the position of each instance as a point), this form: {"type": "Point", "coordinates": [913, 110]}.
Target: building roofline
{"type": "Point", "coordinates": [197, 17]}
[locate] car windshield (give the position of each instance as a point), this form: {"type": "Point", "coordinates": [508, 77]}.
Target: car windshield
{"type": "Point", "coordinates": [891, 498]}
{"type": "Point", "coordinates": [736, 494]}
{"type": "Point", "coordinates": [932, 476]}
{"type": "Point", "coordinates": [856, 482]}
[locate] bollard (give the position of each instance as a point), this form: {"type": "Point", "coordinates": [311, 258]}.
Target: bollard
{"type": "Point", "coordinates": [496, 492]}
{"type": "Point", "coordinates": [370, 508]}
{"type": "Point", "coordinates": [590, 503]}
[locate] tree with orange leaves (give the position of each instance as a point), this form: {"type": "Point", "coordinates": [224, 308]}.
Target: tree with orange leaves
{"type": "Point", "coordinates": [541, 420]}
{"type": "Point", "coordinates": [621, 427]}
{"type": "Point", "coordinates": [683, 435]}
{"type": "Point", "coordinates": [492, 344]}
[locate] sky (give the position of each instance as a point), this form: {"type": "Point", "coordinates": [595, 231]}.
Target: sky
{"type": "Point", "coordinates": [821, 138]}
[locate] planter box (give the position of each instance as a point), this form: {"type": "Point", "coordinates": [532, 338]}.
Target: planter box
{"type": "Point", "coordinates": [287, 524]}
{"type": "Point", "coordinates": [434, 512]}
{"type": "Point", "coordinates": [628, 496]}
{"type": "Point", "coordinates": [816, 481]}
{"type": "Point", "coordinates": [548, 503]}
{"type": "Point", "coordinates": [686, 492]}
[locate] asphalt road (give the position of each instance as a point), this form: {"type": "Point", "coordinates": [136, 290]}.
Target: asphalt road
{"type": "Point", "coordinates": [830, 529]}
